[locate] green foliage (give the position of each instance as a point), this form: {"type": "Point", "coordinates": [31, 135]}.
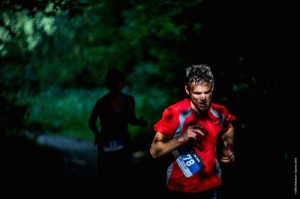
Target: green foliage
{"type": "Point", "coordinates": [59, 53]}
{"type": "Point", "coordinates": [55, 57]}
{"type": "Point", "coordinates": [62, 112]}
{"type": "Point", "coordinates": [66, 112]}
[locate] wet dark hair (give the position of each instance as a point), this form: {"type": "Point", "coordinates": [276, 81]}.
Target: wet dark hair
{"type": "Point", "coordinates": [198, 73]}
{"type": "Point", "coordinates": [113, 78]}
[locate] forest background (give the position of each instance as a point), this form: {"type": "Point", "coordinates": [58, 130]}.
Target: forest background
{"type": "Point", "coordinates": [54, 55]}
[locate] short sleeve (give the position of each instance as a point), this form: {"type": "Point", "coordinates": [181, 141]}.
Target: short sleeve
{"type": "Point", "coordinates": [168, 123]}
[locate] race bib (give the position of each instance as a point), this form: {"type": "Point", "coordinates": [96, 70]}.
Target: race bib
{"type": "Point", "coordinates": [113, 145]}
{"type": "Point", "coordinates": [188, 161]}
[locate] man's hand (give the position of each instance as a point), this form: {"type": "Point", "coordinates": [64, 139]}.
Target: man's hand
{"type": "Point", "coordinates": [228, 155]}
{"type": "Point", "coordinates": [193, 132]}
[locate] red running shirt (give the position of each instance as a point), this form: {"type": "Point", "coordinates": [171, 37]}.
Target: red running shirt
{"type": "Point", "coordinates": [173, 122]}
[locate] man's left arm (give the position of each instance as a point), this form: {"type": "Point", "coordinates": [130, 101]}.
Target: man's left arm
{"type": "Point", "coordinates": [228, 140]}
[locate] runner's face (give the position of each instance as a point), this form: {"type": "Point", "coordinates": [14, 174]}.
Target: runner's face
{"type": "Point", "coordinates": [200, 95]}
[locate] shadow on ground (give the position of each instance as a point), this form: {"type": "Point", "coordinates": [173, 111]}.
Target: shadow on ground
{"type": "Point", "coordinates": [48, 170]}
{"type": "Point", "coordinates": [61, 167]}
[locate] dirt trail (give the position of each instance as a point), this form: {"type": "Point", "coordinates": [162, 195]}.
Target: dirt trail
{"type": "Point", "coordinates": [67, 167]}
{"type": "Point", "coordinates": [79, 156]}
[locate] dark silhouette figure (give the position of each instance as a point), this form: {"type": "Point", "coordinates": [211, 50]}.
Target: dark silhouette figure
{"type": "Point", "coordinates": [115, 110]}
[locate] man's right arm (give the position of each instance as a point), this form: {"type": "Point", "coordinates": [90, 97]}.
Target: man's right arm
{"type": "Point", "coordinates": [161, 145]}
